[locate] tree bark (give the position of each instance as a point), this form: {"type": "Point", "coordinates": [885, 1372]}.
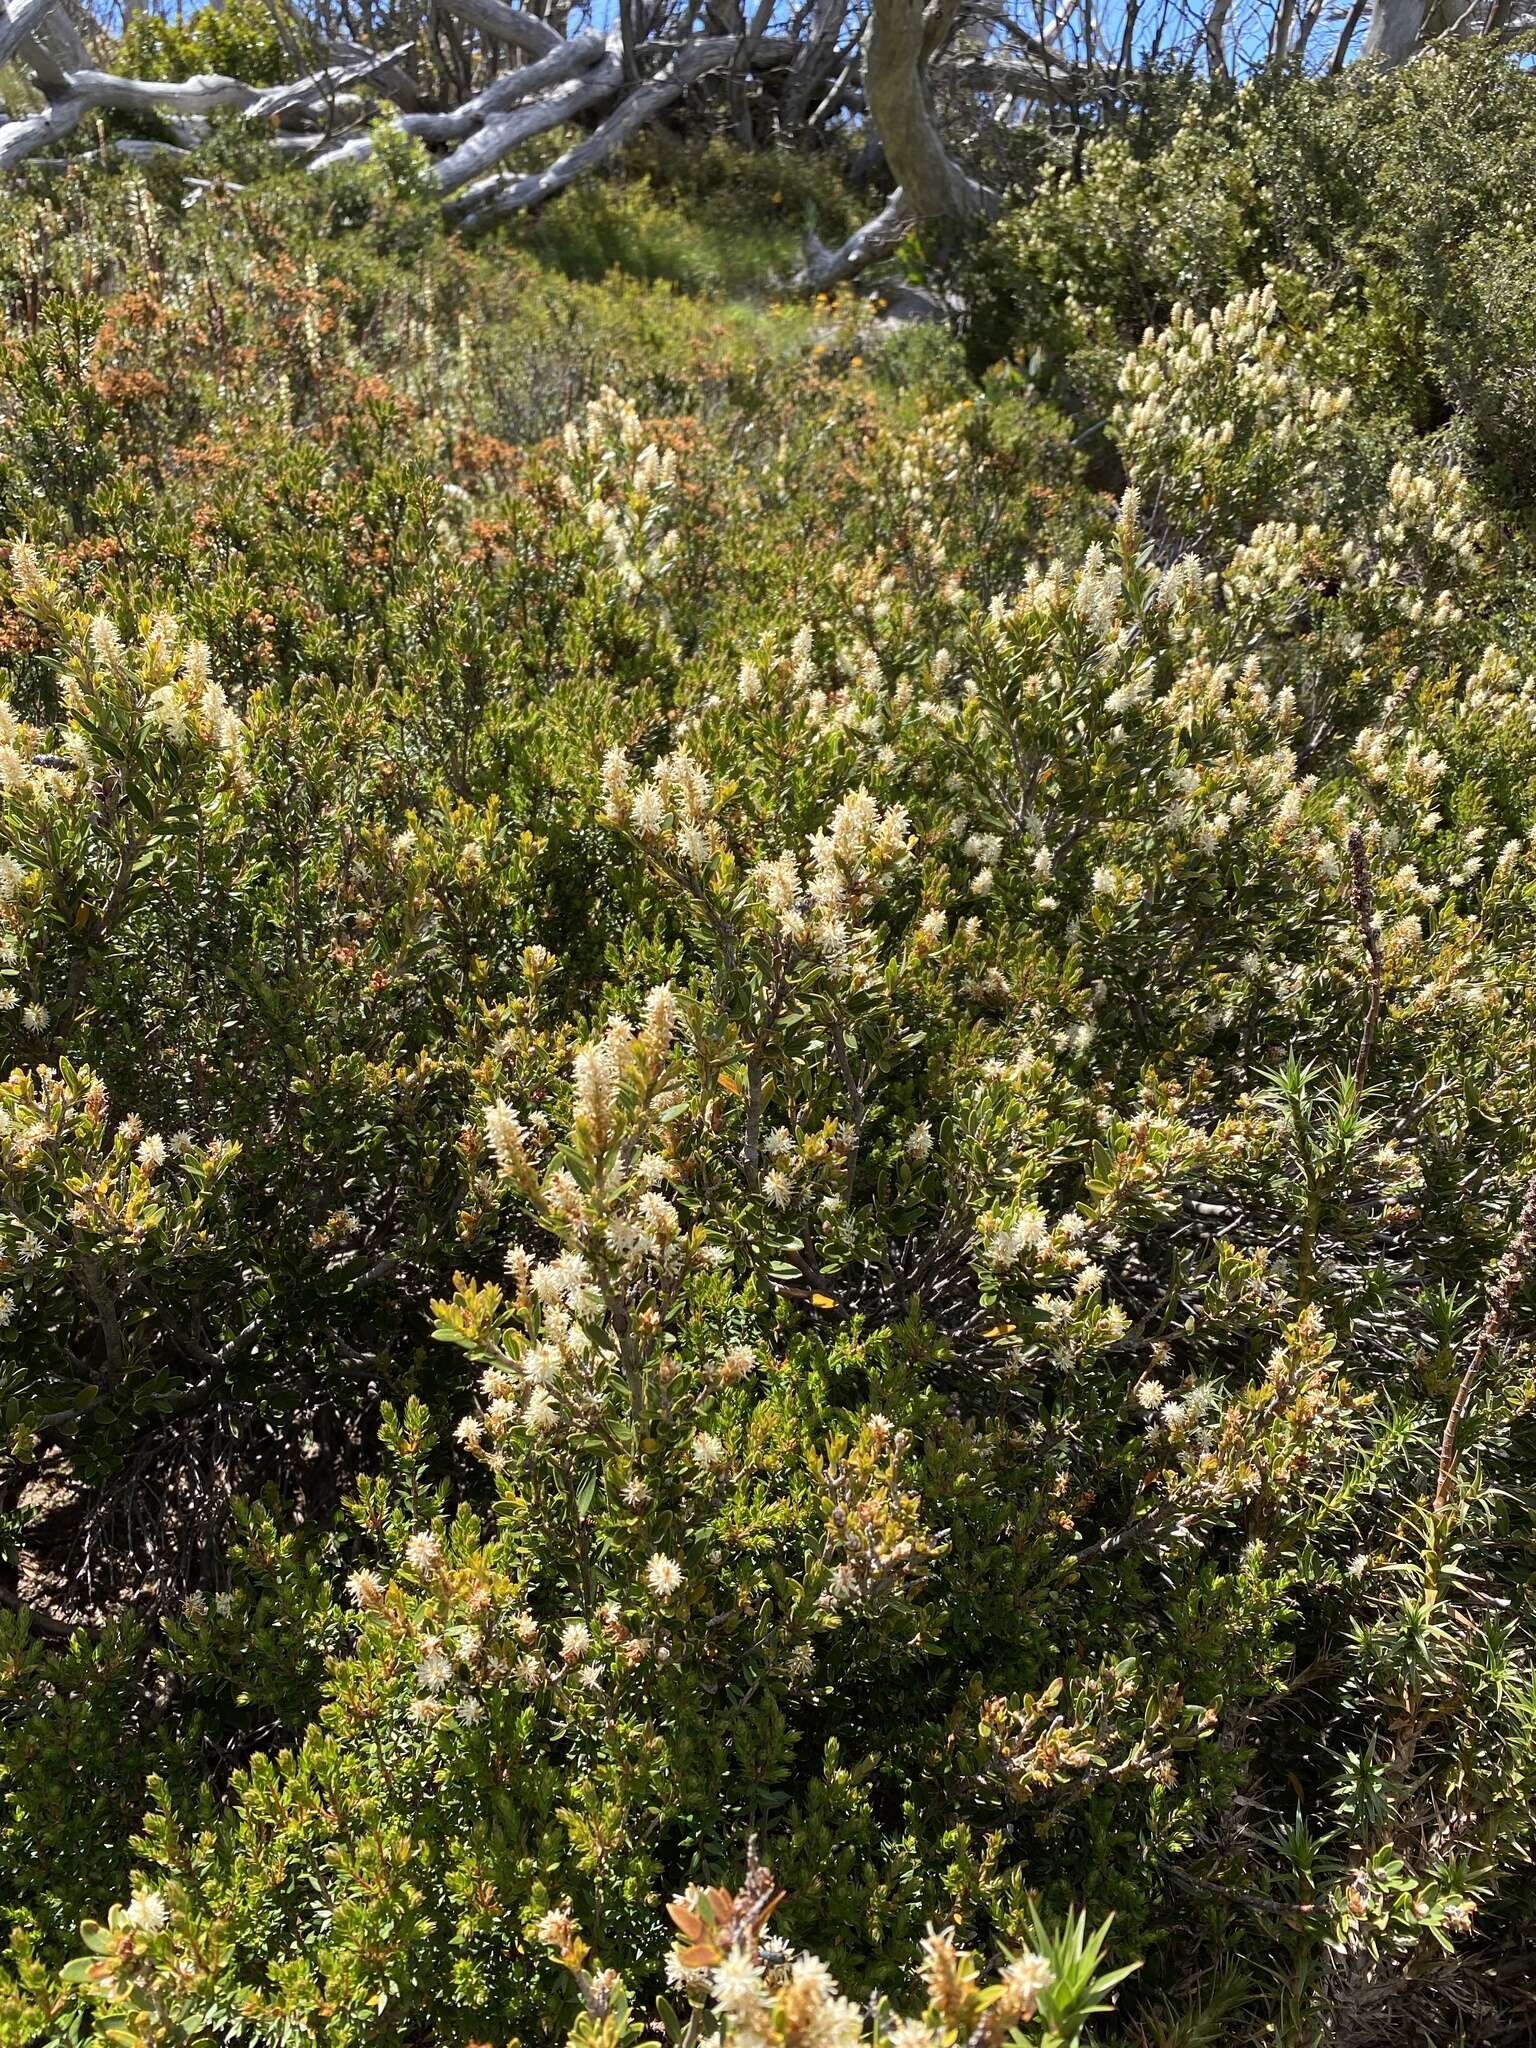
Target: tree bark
{"type": "Point", "coordinates": [903, 37]}
{"type": "Point", "coordinates": [392, 79]}
{"type": "Point", "coordinates": [503, 132]}
{"type": "Point", "coordinates": [505, 24]}
{"type": "Point", "coordinates": [19, 22]}
{"type": "Point", "coordinates": [320, 85]}
{"type": "Point", "coordinates": [199, 95]}
{"type": "Point", "coordinates": [52, 48]}
{"type": "Point", "coordinates": [497, 199]}
{"type": "Point", "coordinates": [878, 238]}
{"type": "Point", "coordinates": [18, 139]}
{"type": "Point", "coordinates": [1394, 30]}
{"type": "Point", "coordinates": [465, 123]}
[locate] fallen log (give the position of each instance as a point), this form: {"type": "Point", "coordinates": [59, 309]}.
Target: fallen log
{"type": "Point", "coordinates": [565, 78]}
{"type": "Point", "coordinates": [494, 199]}
{"type": "Point", "coordinates": [462, 123]}
{"type": "Point", "coordinates": [19, 139]}
{"type": "Point", "coordinates": [503, 132]}
{"type": "Point", "coordinates": [200, 95]}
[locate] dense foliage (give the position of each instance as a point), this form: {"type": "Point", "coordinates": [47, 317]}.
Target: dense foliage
{"type": "Point", "coordinates": [769, 1084]}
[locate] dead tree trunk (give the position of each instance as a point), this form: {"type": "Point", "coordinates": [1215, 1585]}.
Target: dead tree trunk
{"type": "Point", "coordinates": [1394, 30]}
{"type": "Point", "coordinates": [496, 199]}
{"type": "Point", "coordinates": [18, 24]}
{"type": "Point", "coordinates": [904, 37]}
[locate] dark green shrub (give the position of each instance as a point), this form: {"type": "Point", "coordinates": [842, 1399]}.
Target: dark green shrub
{"type": "Point", "coordinates": [827, 1124]}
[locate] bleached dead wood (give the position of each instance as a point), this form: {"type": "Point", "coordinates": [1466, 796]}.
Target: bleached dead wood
{"type": "Point", "coordinates": [512, 89]}
{"type": "Point", "coordinates": [464, 124]}
{"type": "Point", "coordinates": [18, 22]}
{"type": "Point", "coordinates": [394, 79]}
{"type": "Point", "coordinates": [494, 199]}
{"type": "Point", "coordinates": [1041, 82]}
{"type": "Point", "coordinates": [904, 38]}
{"type": "Point", "coordinates": [200, 95]}
{"type": "Point", "coordinates": [503, 132]}
{"type": "Point", "coordinates": [821, 268]}
{"type": "Point", "coordinates": [878, 60]}
{"type": "Point", "coordinates": [51, 49]}
{"type": "Point", "coordinates": [138, 151]}
{"type": "Point", "coordinates": [321, 85]}
{"type": "Point", "coordinates": [20, 139]}
{"type": "Point", "coordinates": [503, 24]}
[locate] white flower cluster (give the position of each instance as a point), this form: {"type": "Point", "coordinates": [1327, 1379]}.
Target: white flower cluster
{"type": "Point", "coordinates": [816, 905]}
{"type": "Point", "coordinates": [193, 706]}
{"type": "Point", "coordinates": [1410, 565]}
{"type": "Point", "coordinates": [670, 811]}
{"type": "Point", "coordinates": [615, 1223]}
{"type": "Point", "coordinates": [187, 707]}
{"type": "Point", "coordinates": [755, 2013]}
{"type": "Point", "coordinates": [1212, 404]}
{"type": "Point", "coordinates": [624, 484]}
{"type": "Point", "coordinates": [1428, 544]}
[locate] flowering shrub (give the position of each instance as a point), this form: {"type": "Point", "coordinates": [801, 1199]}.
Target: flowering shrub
{"type": "Point", "coordinates": [1227, 421]}
{"type": "Point", "coordinates": [737, 1126]}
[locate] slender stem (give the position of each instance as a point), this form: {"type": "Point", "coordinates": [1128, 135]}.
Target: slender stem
{"type": "Point", "coordinates": [1513, 1268]}
{"type": "Point", "coordinates": [1362, 897]}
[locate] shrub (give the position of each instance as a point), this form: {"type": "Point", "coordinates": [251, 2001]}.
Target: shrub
{"type": "Point", "coordinates": [239, 39]}
{"type": "Point", "coordinates": [1399, 195]}
{"type": "Point", "coordinates": [734, 1120]}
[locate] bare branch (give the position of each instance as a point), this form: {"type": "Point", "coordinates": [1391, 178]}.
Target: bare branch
{"type": "Point", "coordinates": [18, 139]}
{"type": "Point", "coordinates": [503, 132]}
{"type": "Point", "coordinates": [878, 238]}
{"type": "Point", "coordinates": [200, 95]}
{"type": "Point", "coordinates": [18, 23]}
{"type": "Point", "coordinates": [497, 199]}
{"type": "Point", "coordinates": [282, 99]}
{"type": "Point", "coordinates": [464, 124]}
{"type": "Point", "coordinates": [505, 24]}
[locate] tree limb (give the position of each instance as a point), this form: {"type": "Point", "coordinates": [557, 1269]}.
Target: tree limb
{"type": "Point", "coordinates": [503, 132]}
{"type": "Point", "coordinates": [475, 124]}
{"type": "Point", "coordinates": [200, 95]}
{"type": "Point", "coordinates": [18, 139]}
{"type": "Point", "coordinates": [18, 23]}
{"type": "Point", "coordinates": [822, 268]}
{"type": "Point", "coordinates": [503, 24]}
{"type": "Point", "coordinates": [813, 61]}
{"type": "Point", "coordinates": [281, 99]}
{"type": "Point", "coordinates": [51, 49]}
{"type": "Point", "coordinates": [497, 199]}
